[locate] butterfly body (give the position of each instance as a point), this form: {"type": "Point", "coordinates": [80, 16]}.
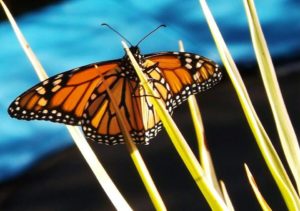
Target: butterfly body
{"type": "Point", "coordinates": [127, 70]}
{"type": "Point", "coordinates": [79, 97]}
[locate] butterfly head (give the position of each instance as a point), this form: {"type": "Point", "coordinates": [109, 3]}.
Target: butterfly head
{"type": "Point", "coordinates": [135, 52]}
{"type": "Point", "coordinates": [137, 55]}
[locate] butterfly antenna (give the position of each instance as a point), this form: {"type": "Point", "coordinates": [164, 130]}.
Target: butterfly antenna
{"type": "Point", "coordinates": [147, 35]}
{"type": "Point", "coordinates": [118, 33]}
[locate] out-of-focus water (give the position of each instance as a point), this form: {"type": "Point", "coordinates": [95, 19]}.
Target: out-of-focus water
{"type": "Point", "coordinates": [69, 35]}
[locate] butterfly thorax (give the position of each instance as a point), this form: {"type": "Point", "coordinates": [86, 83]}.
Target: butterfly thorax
{"type": "Point", "coordinates": [126, 65]}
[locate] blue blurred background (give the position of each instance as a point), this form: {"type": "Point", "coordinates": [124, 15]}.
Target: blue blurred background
{"type": "Point", "coordinates": [68, 34]}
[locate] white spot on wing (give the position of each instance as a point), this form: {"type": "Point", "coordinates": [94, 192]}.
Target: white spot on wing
{"type": "Point", "coordinates": [188, 66]}
{"type": "Point", "coordinates": [188, 60]}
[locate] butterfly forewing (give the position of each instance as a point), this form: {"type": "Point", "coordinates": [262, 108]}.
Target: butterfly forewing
{"type": "Point", "coordinates": [186, 73]}
{"type": "Point", "coordinates": [61, 98]}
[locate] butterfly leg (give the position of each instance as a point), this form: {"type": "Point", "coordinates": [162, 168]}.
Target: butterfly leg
{"type": "Point", "coordinates": [149, 69]}
{"type": "Point", "coordinates": [139, 87]}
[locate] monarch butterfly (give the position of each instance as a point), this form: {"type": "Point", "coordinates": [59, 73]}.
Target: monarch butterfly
{"type": "Point", "coordinates": [78, 96]}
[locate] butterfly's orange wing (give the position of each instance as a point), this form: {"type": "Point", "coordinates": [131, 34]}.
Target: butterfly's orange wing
{"type": "Point", "coordinates": [185, 73]}
{"type": "Point", "coordinates": [61, 98]}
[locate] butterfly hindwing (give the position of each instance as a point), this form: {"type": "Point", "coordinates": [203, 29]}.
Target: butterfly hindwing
{"type": "Point", "coordinates": [100, 122]}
